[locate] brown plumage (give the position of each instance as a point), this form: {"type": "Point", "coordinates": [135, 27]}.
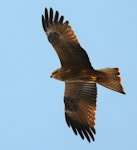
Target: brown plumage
{"type": "Point", "coordinates": [78, 74]}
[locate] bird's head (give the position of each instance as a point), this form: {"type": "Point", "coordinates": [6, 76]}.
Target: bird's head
{"type": "Point", "coordinates": [56, 74]}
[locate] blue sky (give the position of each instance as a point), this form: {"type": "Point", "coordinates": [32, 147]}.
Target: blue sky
{"type": "Point", "coordinates": [31, 104]}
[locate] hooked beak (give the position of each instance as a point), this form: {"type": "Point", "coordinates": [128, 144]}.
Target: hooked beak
{"type": "Point", "coordinates": [51, 76]}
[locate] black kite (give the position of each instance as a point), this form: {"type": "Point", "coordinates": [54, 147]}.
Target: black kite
{"type": "Point", "coordinates": [79, 76]}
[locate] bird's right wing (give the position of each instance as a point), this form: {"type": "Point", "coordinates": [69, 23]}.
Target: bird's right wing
{"type": "Point", "coordinates": [80, 108]}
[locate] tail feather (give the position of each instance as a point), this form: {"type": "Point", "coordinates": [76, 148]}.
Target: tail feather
{"type": "Point", "coordinates": [110, 79]}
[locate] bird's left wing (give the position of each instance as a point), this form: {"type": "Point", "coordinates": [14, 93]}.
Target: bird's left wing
{"type": "Point", "coordinates": [80, 108]}
{"type": "Point", "coordinates": [64, 41]}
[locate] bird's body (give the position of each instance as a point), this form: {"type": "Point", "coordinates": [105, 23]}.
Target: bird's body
{"type": "Point", "coordinates": [78, 74]}
{"type": "Point", "coordinates": [70, 74]}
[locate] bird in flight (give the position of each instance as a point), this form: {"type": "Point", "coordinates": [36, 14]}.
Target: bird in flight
{"type": "Point", "coordinates": [78, 74]}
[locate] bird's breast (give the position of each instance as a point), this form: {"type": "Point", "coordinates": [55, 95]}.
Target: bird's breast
{"type": "Point", "coordinates": [78, 75]}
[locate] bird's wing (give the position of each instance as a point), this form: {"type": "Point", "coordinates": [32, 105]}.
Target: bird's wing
{"type": "Point", "coordinates": [80, 108]}
{"type": "Point", "coordinates": [64, 41]}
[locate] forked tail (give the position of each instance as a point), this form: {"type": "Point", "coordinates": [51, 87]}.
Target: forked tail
{"type": "Point", "coordinates": [109, 77]}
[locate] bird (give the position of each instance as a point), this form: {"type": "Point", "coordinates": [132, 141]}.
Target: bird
{"type": "Point", "coordinates": [80, 77]}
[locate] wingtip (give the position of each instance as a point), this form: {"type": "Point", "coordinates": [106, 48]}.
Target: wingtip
{"type": "Point", "coordinates": [46, 10]}
{"type": "Point", "coordinates": [43, 23]}
{"type": "Point", "coordinates": [50, 8]}
{"type": "Point", "coordinates": [61, 19]}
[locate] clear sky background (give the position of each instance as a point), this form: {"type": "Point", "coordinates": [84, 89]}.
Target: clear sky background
{"type": "Point", "coordinates": [31, 104]}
